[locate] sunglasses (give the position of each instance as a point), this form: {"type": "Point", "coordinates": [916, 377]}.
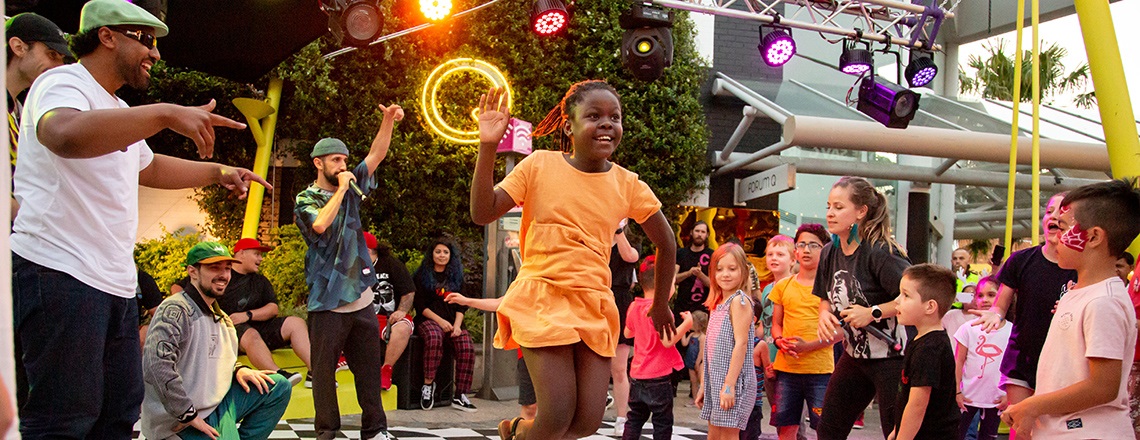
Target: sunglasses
{"type": "Point", "coordinates": [148, 40]}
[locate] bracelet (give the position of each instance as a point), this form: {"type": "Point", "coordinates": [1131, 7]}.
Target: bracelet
{"type": "Point", "coordinates": [959, 392]}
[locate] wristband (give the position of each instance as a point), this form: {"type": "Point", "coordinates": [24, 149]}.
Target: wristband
{"type": "Point", "coordinates": [249, 314]}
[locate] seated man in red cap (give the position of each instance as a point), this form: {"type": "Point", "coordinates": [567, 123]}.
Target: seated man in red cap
{"type": "Point", "coordinates": [252, 305]}
{"type": "Point", "coordinates": [394, 291]}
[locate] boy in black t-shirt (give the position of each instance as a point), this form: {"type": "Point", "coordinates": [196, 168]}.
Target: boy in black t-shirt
{"type": "Point", "coordinates": [929, 410]}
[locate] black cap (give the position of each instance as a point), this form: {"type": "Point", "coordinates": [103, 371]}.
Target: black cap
{"type": "Point", "coordinates": [32, 27]}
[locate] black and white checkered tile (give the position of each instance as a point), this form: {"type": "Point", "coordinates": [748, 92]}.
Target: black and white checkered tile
{"type": "Point", "coordinates": [302, 430]}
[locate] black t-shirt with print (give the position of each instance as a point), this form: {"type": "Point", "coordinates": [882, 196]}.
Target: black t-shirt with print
{"type": "Point", "coordinates": [392, 282]}
{"type": "Point", "coordinates": [431, 298]}
{"type": "Point", "coordinates": [245, 292]}
{"type": "Point", "coordinates": [929, 362]}
{"type": "Point", "coordinates": [691, 292]}
{"type": "Point", "coordinates": [868, 277]}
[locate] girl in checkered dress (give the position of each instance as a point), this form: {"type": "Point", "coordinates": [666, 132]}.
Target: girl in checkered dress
{"type": "Point", "coordinates": [728, 372]}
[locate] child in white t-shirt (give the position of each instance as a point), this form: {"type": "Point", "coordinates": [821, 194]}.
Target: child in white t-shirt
{"type": "Point", "coordinates": [1081, 379]}
{"type": "Point", "coordinates": [978, 356]}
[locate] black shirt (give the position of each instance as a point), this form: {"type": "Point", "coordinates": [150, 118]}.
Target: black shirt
{"type": "Point", "coordinates": [691, 293]}
{"type": "Point", "coordinates": [1039, 283]}
{"type": "Point", "coordinates": [147, 295]}
{"type": "Point", "coordinates": [929, 362]}
{"type": "Point", "coordinates": [392, 282]}
{"type": "Point", "coordinates": [868, 277]}
{"type": "Point", "coordinates": [431, 298]}
{"type": "Point", "coordinates": [621, 272]}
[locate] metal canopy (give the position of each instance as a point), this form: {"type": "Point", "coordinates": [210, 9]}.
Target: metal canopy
{"type": "Point", "coordinates": [970, 138]}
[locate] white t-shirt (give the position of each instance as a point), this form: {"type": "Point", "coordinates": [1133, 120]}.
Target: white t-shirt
{"type": "Point", "coordinates": [1093, 322]}
{"type": "Point", "coordinates": [77, 216]}
{"type": "Point", "coordinates": [982, 370]}
{"type": "Point", "coordinates": [954, 319]}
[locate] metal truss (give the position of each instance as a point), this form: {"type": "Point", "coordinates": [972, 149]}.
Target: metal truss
{"type": "Point", "coordinates": [891, 22]}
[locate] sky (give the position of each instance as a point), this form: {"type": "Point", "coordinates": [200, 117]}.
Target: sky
{"type": "Point", "coordinates": [1066, 32]}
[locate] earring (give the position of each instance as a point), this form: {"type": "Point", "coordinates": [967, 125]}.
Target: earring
{"type": "Point", "coordinates": [853, 235]}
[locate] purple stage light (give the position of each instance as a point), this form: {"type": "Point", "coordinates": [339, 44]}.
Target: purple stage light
{"type": "Point", "coordinates": [855, 61]}
{"type": "Point", "coordinates": [776, 46]}
{"type": "Point", "coordinates": [921, 70]}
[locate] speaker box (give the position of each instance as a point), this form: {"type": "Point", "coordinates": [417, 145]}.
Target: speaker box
{"type": "Point", "coordinates": [408, 375]}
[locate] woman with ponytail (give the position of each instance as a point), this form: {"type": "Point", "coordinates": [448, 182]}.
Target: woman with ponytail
{"type": "Point", "coordinates": [858, 280]}
{"type": "Point", "coordinates": [559, 309]}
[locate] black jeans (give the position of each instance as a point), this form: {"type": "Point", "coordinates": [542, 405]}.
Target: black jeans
{"type": "Point", "coordinates": [853, 385]}
{"type": "Point", "coordinates": [989, 426]}
{"type": "Point", "coordinates": [78, 362]}
{"type": "Point", "coordinates": [650, 396]}
{"type": "Point", "coordinates": [357, 335]}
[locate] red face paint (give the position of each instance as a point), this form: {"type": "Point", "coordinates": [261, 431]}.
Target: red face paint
{"type": "Point", "coordinates": [1062, 210]}
{"type": "Point", "coordinates": [1075, 238]}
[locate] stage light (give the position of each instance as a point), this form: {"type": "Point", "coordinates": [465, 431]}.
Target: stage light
{"type": "Point", "coordinates": [548, 17]}
{"type": "Point", "coordinates": [353, 22]}
{"type": "Point", "coordinates": [921, 70]}
{"type": "Point", "coordinates": [647, 45]}
{"type": "Point", "coordinates": [435, 10]}
{"type": "Point", "coordinates": [856, 61]}
{"type": "Point", "coordinates": [890, 104]}
{"type": "Point", "coordinates": [776, 45]}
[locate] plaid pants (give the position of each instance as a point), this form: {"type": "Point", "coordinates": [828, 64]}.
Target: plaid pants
{"type": "Point", "coordinates": [433, 336]}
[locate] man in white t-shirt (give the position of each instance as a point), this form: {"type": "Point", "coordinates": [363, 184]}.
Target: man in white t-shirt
{"type": "Point", "coordinates": [83, 156]}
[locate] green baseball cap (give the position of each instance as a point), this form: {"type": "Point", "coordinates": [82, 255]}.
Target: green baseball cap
{"type": "Point", "coordinates": [329, 146]}
{"type": "Point", "coordinates": [208, 252]}
{"type": "Point", "coordinates": [99, 13]}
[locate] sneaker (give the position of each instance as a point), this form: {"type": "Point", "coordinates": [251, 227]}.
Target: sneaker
{"type": "Point", "coordinates": [609, 400]}
{"type": "Point", "coordinates": [385, 377]}
{"type": "Point", "coordinates": [383, 435]}
{"type": "Point", "coordinates": [461, 403]}
{"type": "Point", "coordinates": [859, 422]}
{"type": "Point", "coordinates": [427, 397]}
{"type": "Point", "coordinates": [341, 365]}
{"type": "Point", "coordinates": [293, 378]}
{"type": "Point", "coordinates": [309, 381]}
{"type": "Point", "coordinates": [619, 426]}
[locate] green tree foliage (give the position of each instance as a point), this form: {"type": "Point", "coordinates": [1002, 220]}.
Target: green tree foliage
{"type": "Point", "coordinates": [285, 268]}
{"type": "Point", "coordinates": [164, 258]}
{"type": "Point", "coordinates": [994, 75]}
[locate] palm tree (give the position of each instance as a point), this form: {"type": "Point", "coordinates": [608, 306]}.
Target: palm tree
{"type": "Point", "coordinates": [994, 76]}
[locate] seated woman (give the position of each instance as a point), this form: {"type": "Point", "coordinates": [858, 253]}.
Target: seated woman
{"type": "Point", "coordinates": [440, 273]}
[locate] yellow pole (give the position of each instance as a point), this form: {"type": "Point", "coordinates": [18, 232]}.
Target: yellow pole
{"type": "Point", "coordinates": [1111, 90]}
{"type": "Point", "coordinates": [1015, 130]}
{"type": "Point", "coordinates": [263, 123]}
{"type": "Point", "coordinates": [1036, 161]}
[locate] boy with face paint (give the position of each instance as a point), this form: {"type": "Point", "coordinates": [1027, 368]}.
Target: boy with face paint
{"type": "Point", "coordinates": [1033, 276]}
{"type": "Point", "coordinates": [1081, 382]}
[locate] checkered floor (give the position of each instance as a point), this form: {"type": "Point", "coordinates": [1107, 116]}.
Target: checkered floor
{"type": "Point", "coordinates": [300, 430]}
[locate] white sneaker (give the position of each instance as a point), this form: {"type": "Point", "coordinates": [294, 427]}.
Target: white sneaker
{"type": "Point", "coordinates": [619, 426]}
{"type": "Point", "coordinates": [383, 435]}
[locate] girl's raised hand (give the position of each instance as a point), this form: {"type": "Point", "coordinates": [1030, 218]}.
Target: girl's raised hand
{"type": "Point", "coordinates": [494, 116]}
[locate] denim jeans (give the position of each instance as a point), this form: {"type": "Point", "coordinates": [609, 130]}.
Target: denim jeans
{"type": "Point", "coordinates": [79, 363]}
{"type": "Point", "coordinates": [258, 413]}
{"type": "Point", "coordinates": [650, 396]}
{"type": "Point", "coordinates": [792, 391]}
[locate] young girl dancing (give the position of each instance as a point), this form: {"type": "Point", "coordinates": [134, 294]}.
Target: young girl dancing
{"type": "Point", "coordinates": [728, 371]}
{"type": "Point", "coordinates": [560, 309]}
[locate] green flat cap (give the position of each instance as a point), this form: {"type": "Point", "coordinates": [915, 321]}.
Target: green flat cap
{"type": "Point", "coordinates": [99, 13]}
{"type": "Point", "coordinates": [208, 252]}
{"type": "Point", "coordinates": [329, 146]}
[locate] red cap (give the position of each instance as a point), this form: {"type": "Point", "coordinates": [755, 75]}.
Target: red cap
{"type": "Point", "coordinates": [370, 240]}
{"type": "Point", "coordinates": [250, 243]}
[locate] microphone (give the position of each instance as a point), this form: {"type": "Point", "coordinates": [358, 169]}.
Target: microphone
{"type": "Point", "coordinates": [891, 342]}
{"type": "Point", "coordinates": [356, 189]}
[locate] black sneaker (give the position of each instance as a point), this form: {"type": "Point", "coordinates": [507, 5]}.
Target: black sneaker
{"type": "Point", "coordinates": [461, 403]}
{"type": "Point", "coordinates": [309, 381]}
{"type": "Point", "coordinates": [293, 378]}
{"type": "Point", "coordinates": [427, 397]}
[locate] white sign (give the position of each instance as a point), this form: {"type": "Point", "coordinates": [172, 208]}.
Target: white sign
{"type": "Point", "coordinates": [772, 181]}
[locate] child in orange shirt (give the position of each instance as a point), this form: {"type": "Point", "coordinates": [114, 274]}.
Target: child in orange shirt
{"type": "Point", "coordinates": [560, 309]}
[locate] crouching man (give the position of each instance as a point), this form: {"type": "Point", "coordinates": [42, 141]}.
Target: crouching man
{"type": "Point", "coordinates": [195, 389]}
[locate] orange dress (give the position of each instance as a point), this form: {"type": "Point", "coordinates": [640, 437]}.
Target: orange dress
{"type": "Point", "coordinates": [562, 292]}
